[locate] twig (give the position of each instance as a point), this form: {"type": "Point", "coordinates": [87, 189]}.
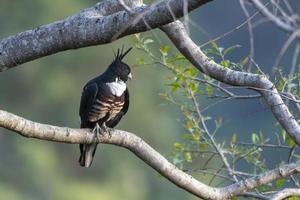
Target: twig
{"type": "Point", "coordinates": [218, 149]}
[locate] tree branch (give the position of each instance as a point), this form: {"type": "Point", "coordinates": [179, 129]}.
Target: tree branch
{"type": "Point", "coordinates": [178, 35]}
{"type": "Point", "coordinates": [145, 152]}
{"type": "Point", "coordinates": [287, 27]}
{"type": "Point", "coordinates": [124, 139]}
{"type": "Point", "coordinates": [100, 24]}
{"type": "Point", "coordinates": [285, 193]}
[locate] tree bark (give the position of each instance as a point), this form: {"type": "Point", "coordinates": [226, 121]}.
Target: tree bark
{"type": "Point", "coordinates": [100, 24]}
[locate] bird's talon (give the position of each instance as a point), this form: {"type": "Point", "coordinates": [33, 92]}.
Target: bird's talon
{"type": "Point", "coordinates": [97, 130]}
{"type": "Point", "coordinates": [99, 136]}
{"type": "Point", "coordinates": [109, 132]}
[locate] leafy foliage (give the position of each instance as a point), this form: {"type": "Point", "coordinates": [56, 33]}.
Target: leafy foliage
{"type": "Point", "coordinates": [200, 150]}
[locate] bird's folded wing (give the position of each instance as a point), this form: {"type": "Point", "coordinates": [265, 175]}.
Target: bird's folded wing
{"type": "Point", "coordinates": [88, 98]}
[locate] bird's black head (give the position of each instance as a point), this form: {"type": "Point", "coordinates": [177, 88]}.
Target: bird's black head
{"type": "Point", "coordinates": [118, 68]}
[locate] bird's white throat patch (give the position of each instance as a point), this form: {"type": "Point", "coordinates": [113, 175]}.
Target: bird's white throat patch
{"type": "Point", "coordinates": [117, 87]}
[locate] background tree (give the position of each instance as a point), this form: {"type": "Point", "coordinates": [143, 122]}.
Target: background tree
{"type": "Point", "coordinates": [202, 147]}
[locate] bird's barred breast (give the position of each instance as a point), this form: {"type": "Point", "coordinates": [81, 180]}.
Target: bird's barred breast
{"type": "Point", "coordinates": [106, 106]}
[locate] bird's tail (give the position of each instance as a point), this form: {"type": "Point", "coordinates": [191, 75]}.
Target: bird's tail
{"type": "Point", "coordinates": [87, 152]}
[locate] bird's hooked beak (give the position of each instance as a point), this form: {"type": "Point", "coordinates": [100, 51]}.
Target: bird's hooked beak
{"type": "Point", "coordinates": [129, 76]}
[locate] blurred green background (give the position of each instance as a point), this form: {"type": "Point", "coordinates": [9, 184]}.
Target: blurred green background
{"type": "Point", "coordinates": [48, 91]}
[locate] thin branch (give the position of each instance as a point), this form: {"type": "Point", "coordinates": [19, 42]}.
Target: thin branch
{"type": "Point", "coordinates": [177, 34]}
{"type": "Point", "coordinates": [265, 145]}
{"type": "Point", "coordinates": [230, 31]}
{"type": "Point", "coordinates": [276, 20]}
{"type": "Point", "coordinates": [214, 174]}
{"type": "Point", "coordinates": [286, 45]}
{"type": "Point", "coordinates": [211, 138]}
{"type": "Point", "coordinates": [251, 33]}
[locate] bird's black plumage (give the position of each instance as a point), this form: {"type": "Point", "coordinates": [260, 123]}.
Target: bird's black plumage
{"type": "Point", "coordinates": [104, 101]}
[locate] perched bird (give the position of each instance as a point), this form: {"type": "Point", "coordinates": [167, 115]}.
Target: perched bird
{"type": "Point", "coordinates": [104, 101]}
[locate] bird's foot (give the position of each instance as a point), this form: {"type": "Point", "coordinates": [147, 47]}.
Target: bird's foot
{"type": "Point", "coordinates": [101, 131]}
{"type": "Point", "coordinates": [107, 130]}
{"type": "Point", "coordinates": [97, 130]}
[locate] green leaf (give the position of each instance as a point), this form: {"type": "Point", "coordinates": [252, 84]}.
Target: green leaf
{"type": "Point", "coordinates": [189, 124]}
{"type": "Point", "coordinates": [291, 142]}
{"type": "Point", "coordinates": [209, 90]}
{"type": "Point", "coordinates": [164, 50]}
{"type": "Point", "coordinates": [230, 49]}
{"type": "Point", "coordinates": [280, 84]}
{"type": "Point", "coordinates": [178, 146]}
{"type": "Point", "coordinates": [212, 51]}
{"type": "Point", "coordinates": [245, 61]}
{"type": "Point", "coordinates": [188, 136]}
{"type": "Point", "coordinates": [188, 157]}
{"type": "Point", "coordinates": [148, 41]}
{"type": "Point", "coordinates": [283, 134]}
{"type": "Point", "coordinates": [163, 94]}
{"type": "Point", "coordinates": [190, 71]}
{"type": "Point", "coordinates": [297, 156]}
{"type": "Point", "coordinates": [196, 137]}
{"type": "Point", "coordinates": [214, 44]}
{"type": "Point", "coordinates": [279, 183]}
{"type": "Point", "coordinates": [177, 56]}
{"type": "Point", "coordinates": [202, 146]}
{"type": "Point", "coordinates": [193, 87]}
{"type": "Point", "coordinates": [292, 198]}
{"type": "Point", "coordinates": [174, 86]}
{"type": "Point", "coordinates": [255, 138]}
{"type": "Point", "coordinates": [225, 63]}
{"type": "Point", "coordinates": [234, 139]}
{"type": "Point", "coordinates": [141, 61]}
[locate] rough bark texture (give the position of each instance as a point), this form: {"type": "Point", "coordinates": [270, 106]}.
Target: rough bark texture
{"type": "Point", "coordinates": [103, 23]}
{"type": "Point", "coordinates": [145, 152]}
{"type": "Point", "coordinates": [285, 193]}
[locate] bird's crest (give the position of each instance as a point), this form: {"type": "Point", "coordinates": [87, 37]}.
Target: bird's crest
{"type": "Point", "coordinates": [121, 54]}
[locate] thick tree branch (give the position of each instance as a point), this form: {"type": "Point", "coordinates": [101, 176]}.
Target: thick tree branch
{"type": "Point", "coordinates": [178, 35]}
{"type": "Point", "coordinates": [145, 152]}
{"type": "Point", "coordinates": [285, 193]}
{"type": "Point", "coordinates": [103, 23]}
{"type": "Point", "coordinates": [125, 139]}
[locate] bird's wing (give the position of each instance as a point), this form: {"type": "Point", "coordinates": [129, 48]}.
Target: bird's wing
{"type": "Point", "coordinates": [113, 122]}
{"type": "Point", "coordinates": [88, 97]}
{"type": "Point", "coordinates": [126, 102]}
